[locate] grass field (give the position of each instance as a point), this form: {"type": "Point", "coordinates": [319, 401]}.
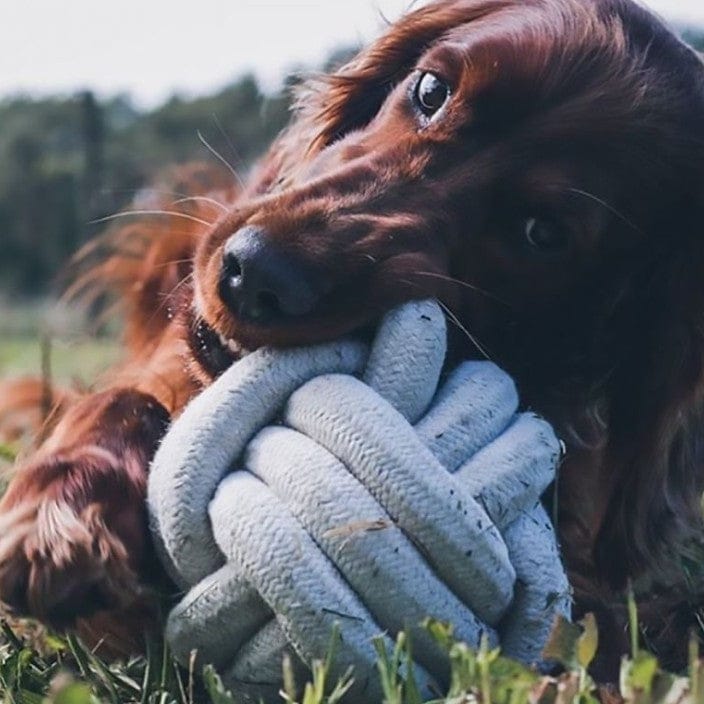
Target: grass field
{"type": "Point", "coordinates": [61, 670]}
{"type": "Point", "coordinates": [75, 355]}
{"type": "Point", "coordinates": [79, 359]}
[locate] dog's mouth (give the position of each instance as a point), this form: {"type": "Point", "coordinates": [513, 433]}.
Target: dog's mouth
{"type": "Point", "coordinates": [213, 351]}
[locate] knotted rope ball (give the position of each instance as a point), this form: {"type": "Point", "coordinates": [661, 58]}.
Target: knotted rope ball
{"type": "Point", "coordinates": [338, 484]}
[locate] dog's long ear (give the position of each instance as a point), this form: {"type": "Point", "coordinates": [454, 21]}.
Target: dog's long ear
{"type": "Point", "coordinates": [655, 457]}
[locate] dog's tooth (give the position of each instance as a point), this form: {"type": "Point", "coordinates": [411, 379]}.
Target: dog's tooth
{"type": "Point", "coordinates": [233, 346]}
{"type": "Point", "coordinates": [223, 339]}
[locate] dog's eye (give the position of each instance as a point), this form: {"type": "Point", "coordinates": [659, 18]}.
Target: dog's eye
{"type": "Point", "coordinates": [431, 93]}
{"type": "Point", "coordinates": [544, 235]}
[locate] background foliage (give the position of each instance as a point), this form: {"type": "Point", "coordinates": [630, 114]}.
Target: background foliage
{"type": "Point", "coordinates": [65, 162]}
{"type": "Point", "coordinates": [68, 161]}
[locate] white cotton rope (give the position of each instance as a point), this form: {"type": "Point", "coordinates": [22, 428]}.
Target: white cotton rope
{"type": "Point", "coordinates": [337, 485]}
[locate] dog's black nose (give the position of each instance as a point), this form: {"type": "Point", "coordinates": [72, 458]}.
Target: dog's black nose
{"type": "Point", "coordinates": [262, 284]}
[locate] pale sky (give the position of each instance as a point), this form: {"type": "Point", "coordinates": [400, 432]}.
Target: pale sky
{"type": "Point", "coordinates": [152, 48]}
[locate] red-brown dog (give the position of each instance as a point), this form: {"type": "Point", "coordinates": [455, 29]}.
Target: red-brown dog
{"type": "Point", "coordinates": [537, 165]}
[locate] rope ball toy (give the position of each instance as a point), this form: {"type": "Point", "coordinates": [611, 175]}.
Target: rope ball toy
{"type": "Point", "coordinates": [341, 484]}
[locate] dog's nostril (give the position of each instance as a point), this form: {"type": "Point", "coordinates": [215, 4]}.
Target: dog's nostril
{"type": "Point", "coordinates": [232, 268]}
{"type": "Point", "coordinates": [267, 305]}
{"type": "Point", "coordinates": [261, 283]}
{"type": "Point", "coordinates": [230, 278]}
{"type": "Point", "coordinates": [263, 308]}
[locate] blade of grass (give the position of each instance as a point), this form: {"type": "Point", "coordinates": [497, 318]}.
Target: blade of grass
{"type": "Point", "coordinates": [104, 675]}
{"type": "Point", "coordinates": [165, 669]}
{"type": "Point", "coordinates": [146, 678]}
{"type": "Point", "coordinates": [10, 635]}
{"type": "Point", "coordinates": [191, 675]}
{"type": "Point", "coordinates": [78, 656]}
{"type": "Point", "coordinates": [179, 682]}
{"type": "Point", "coordinates": [633, 621]}
{"type": "Point", "coordinates": [694, 670]}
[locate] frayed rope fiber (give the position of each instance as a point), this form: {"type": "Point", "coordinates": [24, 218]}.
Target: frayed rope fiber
{"type": "Point", "coordinates": [338, 484]}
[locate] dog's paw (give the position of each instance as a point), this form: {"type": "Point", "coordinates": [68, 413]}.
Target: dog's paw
{"type": "Point", "coordinates": [73, 537]}
{"type": "Point", "coordinates": [73, 524]}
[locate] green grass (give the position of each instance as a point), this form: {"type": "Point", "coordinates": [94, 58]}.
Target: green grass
{"type": "Point", "coordinates": [44, 668]}
{"type": "Point", "coordinates": [75, 355]}
{"type": "Point", "coordinates": [79, 360]}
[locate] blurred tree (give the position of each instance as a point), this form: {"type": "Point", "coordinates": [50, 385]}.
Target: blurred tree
{"type": "Point", "coordinates": [65, 162]}
{"type": "Point", "coordinates": [93, 138]}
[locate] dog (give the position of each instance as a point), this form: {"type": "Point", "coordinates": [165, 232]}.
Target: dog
{"type": "Point", "coordinates": [535, 165]}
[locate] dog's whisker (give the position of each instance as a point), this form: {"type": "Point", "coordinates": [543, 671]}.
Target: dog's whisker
{"type": "Point", "coordinates": [168, 213]}
{"type": "Point", "coordinates": [235, 153]}
{"type": "Point", "coordinates": [167, 297]}
{"type": "Point", "coordinates": [221, 159]}
{"type": "Point", "coordinates": [454, 319]}
{"type": "Point", "coordinates": [201, 199]}
{"type": "Point", "coordinates": [187, 260]}
{"type": "Point", "coordinates": [464, 284]}
{"type": "Point", "coordinates": [614, 211]}
{"type": "Point", "coordinates": [143, 190]}
{"type": "Point", "coordinates": [180, 284]}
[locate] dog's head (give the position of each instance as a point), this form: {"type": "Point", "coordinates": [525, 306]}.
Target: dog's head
{"type": "Point", "coordinates": [538, 166]}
